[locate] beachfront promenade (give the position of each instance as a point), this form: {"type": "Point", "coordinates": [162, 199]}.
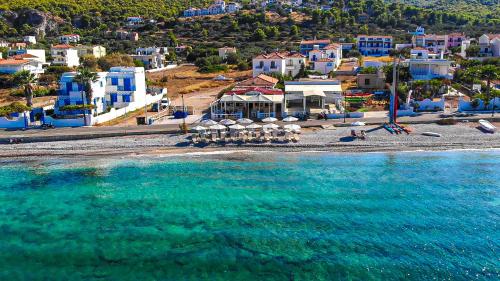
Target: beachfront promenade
{"type": "Point", "coordinates": [79, 133]}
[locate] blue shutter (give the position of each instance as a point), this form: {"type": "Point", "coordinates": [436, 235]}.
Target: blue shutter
{"type": "Point", "coordinates": [69, 87]}
{"type": "Point", "coordinates": [114, 98]}
{"type": "Point", "coordinates": [114, 81]}
{"type": "Point", "coordinates": [126, 84]}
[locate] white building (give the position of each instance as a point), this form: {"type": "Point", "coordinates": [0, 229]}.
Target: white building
{"type": "Point", "coordinates": [72, 93]}
{"type": "Point", "coordinates": [232, 7]}
{"type": "Point", "coordinates": [151, 57]}
{"type": "Point", "coordinates": [489, 46]}
{"type": "Point", "coordinates": [285, 63]}
{"type": "Point", "coordinates": [327, 59]}
{"type": "Point", "coordinates": [65, 55]}
{"type": "Point", "coordinates": [97, 51]}
{"type": "Point", "coordinates": [311, 96]}
{"type": "Point", "coordinates": [29, 39]}
{"type": "Point", "coordinates": [35, 54]}
{"type": "Point", "coordinates": [11, 66]}
{"type": "Point", "coordinates": [432, 42]}
{"type": "Point", "coordinates": [226, 50]}
{"type": "Point", "coordinates": [121, 90]}
{"type": "Point", "coordinates": [426, 66]}
{"type": "Point", "coordinates": [69, 38]}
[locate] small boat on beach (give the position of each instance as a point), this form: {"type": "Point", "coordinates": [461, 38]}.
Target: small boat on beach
{"type": "Point", "coordinates": [358, 123]}
{"type": "Point", "coordinates": [431, 134]}
{"type": "Point", "coordinates": [487, 126]}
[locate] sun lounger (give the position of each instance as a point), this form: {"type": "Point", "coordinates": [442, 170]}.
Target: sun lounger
{"type": "Point", "coordinates": [267, 136]}
{"type": "Point", "coordinates": [288, 136]}
{"type": "Point", "coordinates": [295, 138]}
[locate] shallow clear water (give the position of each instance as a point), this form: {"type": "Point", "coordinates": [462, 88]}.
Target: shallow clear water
{"type": "Point", "coordinates": [403, 216]}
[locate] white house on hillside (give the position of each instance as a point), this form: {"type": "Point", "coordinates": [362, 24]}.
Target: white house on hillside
{"type": "Point", "coordinates": [151, 57]}
{"type": "Point", "coordinates": [226, 50]}
{"type": "Point", "coordinates": [35, 54]}
{"type": "Point", "coordinates": [97, 51]}
{"type": "Point", "coordinates": [69, 38]}
{"type": "Point", "coordinates": [327, 59]}
{"type": "Point", "coordinates": [29, 39]}
{"type": "Point", "coordinates": [284, 63]}
{"type": "Point", "coordinates": [65, 55]}
{"type": "Point", "coordinates": [11, 66]}
{"type": "Point", "coordinates": [426, 66]}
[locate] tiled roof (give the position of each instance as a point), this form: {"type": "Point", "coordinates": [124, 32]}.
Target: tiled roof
{"type": "Point", "coordinates": [278, 55]}
{"type": "Point", "coordinates": [333, 46]}
{"type": "Point", "coordinates": [62, 46]}
{"type": "Point", "coordinates": [13, 62]}
{"type": "Point", "coordinates": [24, 56]}
{"type": "Point", "coordinates": [323, 41]}
{"type": "Point", "coordinates": [268, 78]}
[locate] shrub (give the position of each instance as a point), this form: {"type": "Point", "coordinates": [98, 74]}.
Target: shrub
{"type": "Point", "coordinates": [76, 107]}
{"type": "Point", "coordinates": [13, 108]}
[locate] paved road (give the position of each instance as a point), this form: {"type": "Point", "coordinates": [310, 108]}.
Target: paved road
{"type": "Point", "coordinates": [35, 135]}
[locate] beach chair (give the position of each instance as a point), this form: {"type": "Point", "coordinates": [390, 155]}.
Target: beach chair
{"type": "Point", "coordinates": [295, 137]}
{"type": "Point", "coordinates": [262, 137]}
{"type": "Point", "coordinates": [241, 136]}
{"type": "Point", "coordinates": [232, 135]}
{"type": "Point", "coordinates": [249, 136]}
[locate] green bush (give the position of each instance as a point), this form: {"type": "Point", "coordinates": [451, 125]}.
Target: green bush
{"type": "Point", "coordinates": [12, 108]}
{"type": "Point", "coordinates": [76, 107]}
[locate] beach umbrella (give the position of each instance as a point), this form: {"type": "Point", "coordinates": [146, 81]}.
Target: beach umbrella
{"type": "Point", "coordinates": [236, 127]}
{"type": "Point", "coordinates": [208, 122]}
{"type": "Point", "coordinates": [270, 126]}
{"type": "Point", "coordinates": [290, 119]}
{"type": "Point", "coordinates": [227, 122]}
{"type": "Point", "coordinates": [269, 120]}
{"type": "Point", "coordinates": [199, 128]}
{"type": "Point", "coordinates": [218, 127]}
{"type": "Point", "coordinates": [244, 121]}
{"type": "Point", "coordinates": [292, 127]}
{"type": "Point", "coordinates": [254, 126]}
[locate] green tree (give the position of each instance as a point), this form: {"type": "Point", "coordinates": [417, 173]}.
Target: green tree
{"type": "Point", "coordinates": [259, 35]}
{"type": "Point", "coordinates": [294, 30]}
{"type": "Point", "coordinates": [485, 72]}
{"type": "Point", "coordinates": [27, 80]}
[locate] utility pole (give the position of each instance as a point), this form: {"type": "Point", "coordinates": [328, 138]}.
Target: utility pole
{"type": "Point", "coordinates": [392, 106]}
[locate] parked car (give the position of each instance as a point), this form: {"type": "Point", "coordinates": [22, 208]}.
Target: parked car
{"type": "Point", "coordinates": [165, 102]}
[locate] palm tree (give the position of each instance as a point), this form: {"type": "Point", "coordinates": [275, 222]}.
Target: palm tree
{"type": "Point", "coordinates": [26, 79]}
{"type": "Point", "coordinates": [86, 77]}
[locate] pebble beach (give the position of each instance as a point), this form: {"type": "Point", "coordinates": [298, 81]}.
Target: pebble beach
{"type": "Point", "coordinates": [335, 139]}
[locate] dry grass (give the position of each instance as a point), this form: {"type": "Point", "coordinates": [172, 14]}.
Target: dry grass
{"type": "Point", "coordinates": [186, 79]}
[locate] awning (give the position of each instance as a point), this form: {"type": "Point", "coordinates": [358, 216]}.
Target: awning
{"type": "Point", "coordinates": [313, 93]}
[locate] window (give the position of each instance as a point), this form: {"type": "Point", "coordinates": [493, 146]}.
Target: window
{"type": "Point", "coordinates": [273, 64]}
{"type": "Point", "coordinates": [367, 82]}
{"type": "Point", "coordinates": [261, 64]}
{"type": "Point", "coordinates": [126, 98]}
{"type": "Point", "coordinates": [114, 98]}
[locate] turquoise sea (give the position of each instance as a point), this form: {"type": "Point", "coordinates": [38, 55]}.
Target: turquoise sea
{"type": "Point", "coordinates": [267, 216]}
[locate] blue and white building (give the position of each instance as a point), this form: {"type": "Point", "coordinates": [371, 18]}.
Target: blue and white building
{"type": "Point", "coordinates": [376, 45]}
{"type": "Point", "coordinates": [218, 7]}
{"type": "Point", "coordinates": [121, 90]}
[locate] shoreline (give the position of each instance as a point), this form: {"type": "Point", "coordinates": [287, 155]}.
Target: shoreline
{"type": "Point", "coordinates": [462, 136]}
